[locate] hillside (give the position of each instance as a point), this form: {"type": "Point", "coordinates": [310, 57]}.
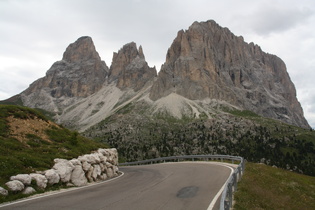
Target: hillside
{"type": "Point", "coordinates": [265, 187]}
{"type": "Point", "coordinates": [137, 134]}
{"type": "Point", "coordinates": [30, 142]}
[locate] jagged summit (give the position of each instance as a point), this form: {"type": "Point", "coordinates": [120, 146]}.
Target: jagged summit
{"type": "Point", "coordinates": [208, 61]}
{"type": "Point", "coordinates": [130, 69]}
{"type": "Point", "coordinates": [80, 73]}
{"type": "Point", "coordinates": [123, 57]}
{"type": "Point", "coordinates": [81, 50]}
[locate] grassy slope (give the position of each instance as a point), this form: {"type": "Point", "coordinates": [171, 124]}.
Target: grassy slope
{"type": "Point", "coordinates": [36, 153]}
{"type": "Point", "coordinates": [265, 187]}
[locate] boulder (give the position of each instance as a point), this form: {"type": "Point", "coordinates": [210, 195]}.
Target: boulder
{"type": "Point", "coordinates": [102, 151]}
{"type": "Point", "coordinates": [64, 168]}
{"type": "Point", "coordinates": [75, 162]}
{"type": "Point", "coordinates": [24, 178]}
{"type": "Point", "coordinates": [89, 174]}
{"type": "Point", "coordinates": [82, 158]}
{"type": "Point", "coordinates": [103, 177]}
{"type": "Point", "coordinates": [103, 167]}
{"type": "Point", "coordinates": [90, 158]}
{"type": "Point", "coordinates": [3, 191]}
{"type": "Point", "coordinates": [15, 186]}
{"type": "Point", "coordinates": [115, 168]}
{"type": "Point", "coordinates": [69, 184]}
{"type": "Point", "coordinates": [86, 166]}
{"type": "Point", "coordinates": [95, 157]}
{"type": "Point", "coordinates": [103, 158]}
{"type": "Point", "coordinates": [28, 190]}
{"type": "Point", "coordinates": [41, 180]}
{"type": "Point", "coordinates": [52, 176]}
{"type": "Point", "coordinates": [96, 172]}
{"type": "Point", "coordinates": [78, 176]}
{"type": "Point", "coordinates": [108, 165]}
{"type": "Point", "coordinates": [110, 172]}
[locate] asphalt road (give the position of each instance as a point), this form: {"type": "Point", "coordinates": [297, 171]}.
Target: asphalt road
{"type": "Point", "coordinates": [185, 185]}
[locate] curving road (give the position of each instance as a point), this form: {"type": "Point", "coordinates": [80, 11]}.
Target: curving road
{"type": "Point", "coordinates": [184, 185]}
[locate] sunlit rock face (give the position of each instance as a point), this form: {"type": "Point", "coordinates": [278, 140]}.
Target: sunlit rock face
{"type": "Point", "coordinates": [208, 61]}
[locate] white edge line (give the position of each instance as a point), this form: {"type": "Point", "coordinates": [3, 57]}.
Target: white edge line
{"type": "Point", "coordinates": [59, 192]}
{"type": "Point", "coordinates": [221, 190]}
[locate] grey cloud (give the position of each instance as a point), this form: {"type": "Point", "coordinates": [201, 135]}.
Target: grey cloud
{"type": "Point", "coordinates": [272, 19]}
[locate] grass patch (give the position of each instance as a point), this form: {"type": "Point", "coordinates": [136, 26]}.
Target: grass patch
{"type": "Point", "coordinates": [35, 153]}
{"type": "Point", "coordinates": [265, 187]}
{"type": "Point", "coordinates": [242, 113]}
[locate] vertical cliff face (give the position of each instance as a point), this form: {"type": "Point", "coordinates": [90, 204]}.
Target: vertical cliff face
{"type": "Point", "coordinates": [130, 69]}
{"type": "Point", "coordinates": [80, 73]}
{"type": "Point", "coordinates": [208, 61]}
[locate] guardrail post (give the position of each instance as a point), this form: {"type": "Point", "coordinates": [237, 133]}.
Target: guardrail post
{"type": "Point", "coordinates": [235, 181]}
{"type": "Point", "coordinates": [226, 205]}
{"type": "Point", "coordinates": [230, 195]}
{"type": "Point", "coordinates": [239, 173]}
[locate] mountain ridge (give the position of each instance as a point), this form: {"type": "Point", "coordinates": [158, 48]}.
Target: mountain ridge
{"type": "Point", "coordinates": [205, 63]}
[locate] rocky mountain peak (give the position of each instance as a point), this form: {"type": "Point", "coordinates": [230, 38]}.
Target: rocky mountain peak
{"type": "Point", "coordinates": [210, 62]}
{"type": "Point", "coordinates": [123, 58]}
{"type": "Point", "coordinates": [129, 68]}
{"type": "Point", "coordinates": [80, 73]}
{"type": "Point", "coordinates": [81, 50]}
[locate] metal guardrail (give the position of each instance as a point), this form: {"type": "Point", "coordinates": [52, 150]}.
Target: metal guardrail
{"type": "Point", "coordinates": [231, 183]}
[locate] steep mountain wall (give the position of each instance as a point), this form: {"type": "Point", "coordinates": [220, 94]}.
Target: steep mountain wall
{"type": "Point", "coordinates": [208, 61]}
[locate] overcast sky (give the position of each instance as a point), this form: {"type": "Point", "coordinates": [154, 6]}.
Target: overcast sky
{"type": "Point", "coordinates": [35, 33]}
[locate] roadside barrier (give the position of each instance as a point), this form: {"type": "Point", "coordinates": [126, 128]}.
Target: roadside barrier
{"type": "Point", "coordinates": [231, 184]}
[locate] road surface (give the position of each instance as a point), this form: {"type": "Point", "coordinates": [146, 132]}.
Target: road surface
{"type": "Point", "coordinates": [184, 185]}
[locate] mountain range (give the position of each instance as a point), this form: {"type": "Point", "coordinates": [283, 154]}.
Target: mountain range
{"type": "Point", "coordinates": [206, 65]}
{"type": "Point", "coordinates": [215, 94]}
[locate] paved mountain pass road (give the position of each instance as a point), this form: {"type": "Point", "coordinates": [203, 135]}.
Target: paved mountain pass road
{"type": "Point", "coordinates": [184, 185]}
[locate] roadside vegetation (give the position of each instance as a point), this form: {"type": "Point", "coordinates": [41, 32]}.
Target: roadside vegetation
{"type": "Point", "coordinates": [24, 149]}
{"type": "Point", "coordinates": [266, 187]}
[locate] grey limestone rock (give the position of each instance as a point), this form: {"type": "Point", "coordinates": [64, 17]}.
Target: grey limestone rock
{"type": "Point", "coordinates": [3, 191]}
{"type": "Point", "coordinates": [52, 176]}
{"type": "Point", "coordinates": [28, 190]}
{"type": "Point", "coordinates": [24, 178]}
{"type": "Point", "coordinates": [41, 180]}
{"type": "Point", "coordinates": [78, 176]}
{"type": "Point", "coordinates": [15, 185]}
{"type": "Point", "coordinates": [64, 168]}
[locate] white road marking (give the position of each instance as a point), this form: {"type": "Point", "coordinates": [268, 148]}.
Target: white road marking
{"type": "Point", "coordinates": [59, 191]}
{"type": "Point", "coordinates": [222, 188]}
